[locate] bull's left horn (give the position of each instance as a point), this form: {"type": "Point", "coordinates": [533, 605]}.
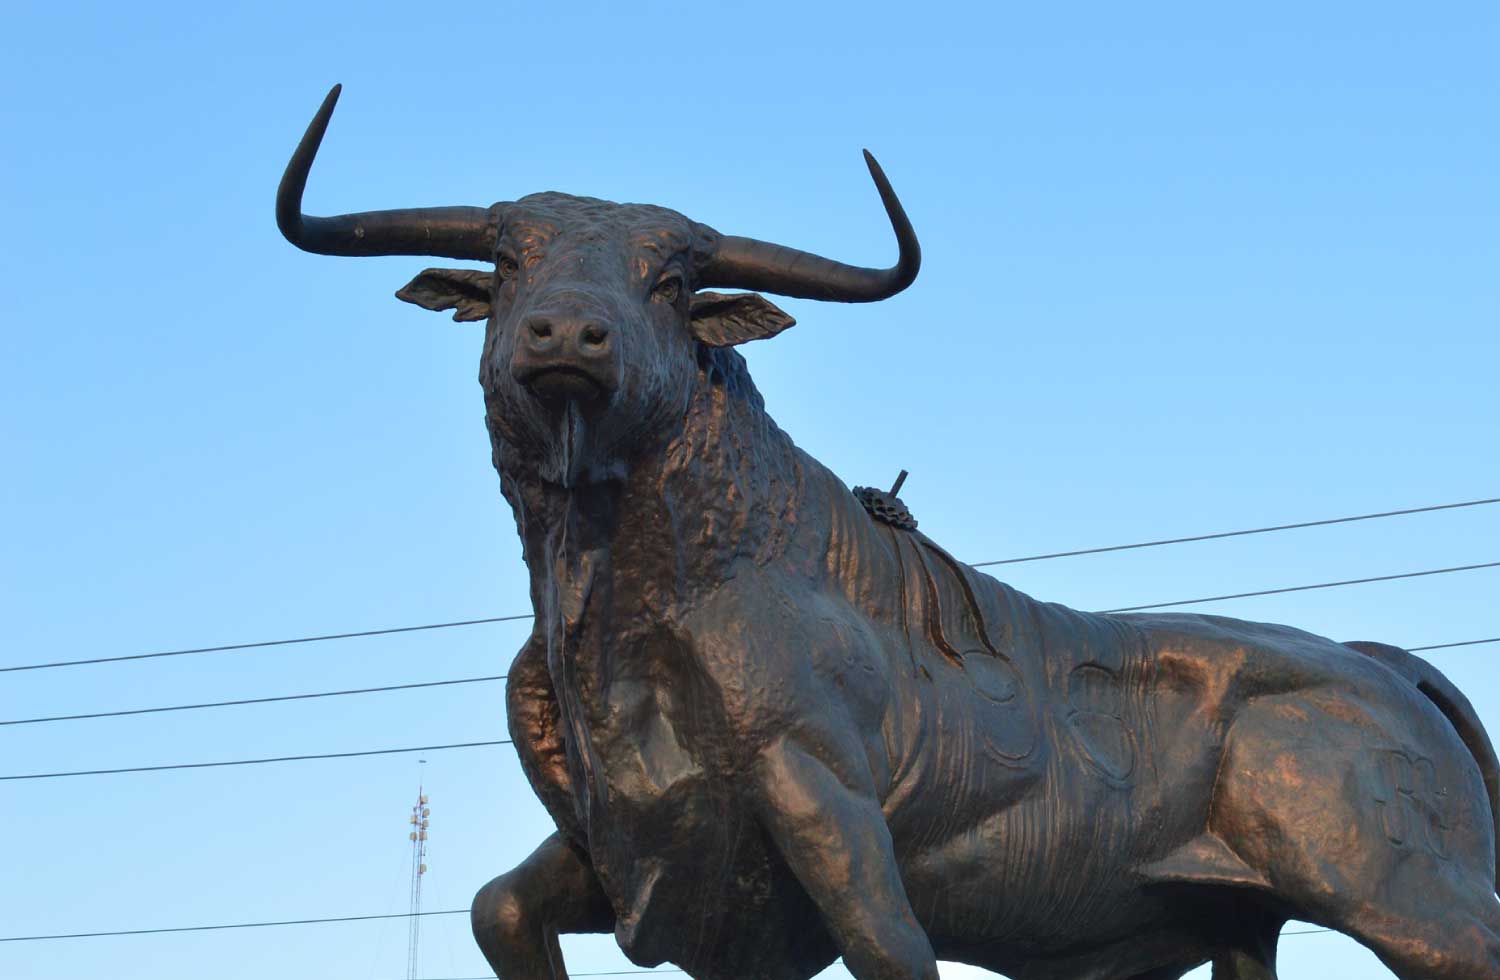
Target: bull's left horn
{"type": "Point", "coordinates": [747, 263]}
{"type": "Point", "coordinates": [455, 233]}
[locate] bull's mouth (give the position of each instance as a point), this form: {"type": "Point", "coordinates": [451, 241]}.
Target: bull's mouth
{"type": "Point", "coordinates": [562, 384]}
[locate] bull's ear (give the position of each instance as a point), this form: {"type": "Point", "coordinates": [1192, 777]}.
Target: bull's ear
{"type": "Point", "coordinates": [464, 291]}
{"type": "Point", "coordinates": [722, 320]}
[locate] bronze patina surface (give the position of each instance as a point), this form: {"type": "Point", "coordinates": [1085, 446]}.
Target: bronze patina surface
{"type": "Point", "coordinates": [775, 723]}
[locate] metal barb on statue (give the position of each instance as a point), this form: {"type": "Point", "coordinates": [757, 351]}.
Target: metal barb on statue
{"type": "Point", "coordinates": [774, 723]}
{"type": "Point", "coordinates": [885, 506]}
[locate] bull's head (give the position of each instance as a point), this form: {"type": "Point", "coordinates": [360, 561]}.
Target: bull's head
{"type": "Point", "coordinates": [596, 311]}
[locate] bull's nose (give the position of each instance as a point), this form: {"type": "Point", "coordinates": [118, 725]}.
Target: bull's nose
{"type": "Point", "coordinates": [565, 357]}
{"type": "Point", "coordinates": [565, 337]}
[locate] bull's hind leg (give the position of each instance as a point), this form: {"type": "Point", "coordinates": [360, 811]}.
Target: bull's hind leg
{"type": "Point", "coordinates": [1458, 938]}
{"type": "Point", "coordinates": [518, 916]}
{"type": "Point", "coordinates": [1377, 827]}
{"type": "Point", "coordinates": [1244, 964]}
{"type": "Point", "coordinates": [1250, 953]}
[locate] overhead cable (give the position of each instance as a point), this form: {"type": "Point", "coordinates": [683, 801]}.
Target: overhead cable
{"type": "Point", "coordinates": [1305, 588]}
{"type": "Point", "coordinates": [465, 745]}
{"type": "Point", "coordinates": [253, 762]}
{"type": "Point", "coordinates": [229, 925]}
{"type": "Point", "coordinates": [602, 973]}
{"type": "Point", "coordinates": [521, 616]}
{"type": "Point", "coordinates": [1449, 646]}
{"type": "Point", "coordinates": [1236, 534]}
{"type": "Point", "coordinates": [268, 643]}
{"type": "Point", "coordinates": [328, 920]}
{"type": "Point", "coordinates": [428, 684]}
{"type": "Point", "coordinates": [241, 701]}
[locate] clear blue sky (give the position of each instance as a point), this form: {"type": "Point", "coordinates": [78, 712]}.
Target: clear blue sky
{"type": "Point", "coordinates": [1187, 269]}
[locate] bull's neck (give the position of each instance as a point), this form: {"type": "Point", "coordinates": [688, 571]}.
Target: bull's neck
{"type": "Point", "coordinates": [634, 555]}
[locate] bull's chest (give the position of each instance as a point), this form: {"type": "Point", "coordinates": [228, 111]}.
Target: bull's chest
{"type": "Point", "coordinates": [631, 743]}
{"type": "Point", "coordinates": [666, 829]}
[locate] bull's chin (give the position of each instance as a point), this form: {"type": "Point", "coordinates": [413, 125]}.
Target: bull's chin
{"type": "Point", "coordinates": [574, 457]}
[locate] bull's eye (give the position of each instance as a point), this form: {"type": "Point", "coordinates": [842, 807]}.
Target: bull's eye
{"type": "Point", "coordinates": [506, 267]}
{"type": "Point", "coordinates": [667, 290]}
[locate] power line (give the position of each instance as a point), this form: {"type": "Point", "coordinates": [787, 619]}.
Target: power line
{"type": "Point", "coordinates": [1304, 588]}
{"type": "Point", "coordinates": [267, 643]}
{"type": "Point", "coordinates": [230, 925]}
{"type": "Point", "coordinates": [984, 564]}
{"type": "Point", "coordinates": [1449, 646]}
{"type": "Point", "coordinates": [253, 762]}
{"type": "Point", "coordinates": [327, 920]}
{"type": "Point", "coordinates": [426, 684]}
{"type": "Point", "coordinates": [400, 687]}
{"type": "Point", "coordinates": [271, 700]}
{"type": "Point", "coordinates": [606, 973]}
{"type": "Point", "coordinates": [1236, 534]}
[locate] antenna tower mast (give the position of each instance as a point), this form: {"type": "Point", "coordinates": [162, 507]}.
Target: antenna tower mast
{"type": "Point", "coordinates": [419, 814]}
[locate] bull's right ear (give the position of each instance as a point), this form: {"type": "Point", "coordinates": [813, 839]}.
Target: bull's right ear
{"type": "Point", "coordinates": [464, 291]}
{"type": "Point", "coordinates": [722, 320]}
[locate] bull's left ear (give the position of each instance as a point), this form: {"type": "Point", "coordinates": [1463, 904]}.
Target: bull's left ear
{"type": "Point", "coordinates": [464, 291]}
{"type": "Point", "coordinates": [725, 319]}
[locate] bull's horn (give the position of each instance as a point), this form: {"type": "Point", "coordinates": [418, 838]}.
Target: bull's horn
{"type": "Point", "coordinates": [746, 263]}
{"type": "Point", "coordinates": [456, 233]}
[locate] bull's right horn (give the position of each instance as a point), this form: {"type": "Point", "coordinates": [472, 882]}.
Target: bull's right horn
{"type": "Point", "coordinates": [747, 263]}
{"type": "Point", "coordinates": [455, 232]}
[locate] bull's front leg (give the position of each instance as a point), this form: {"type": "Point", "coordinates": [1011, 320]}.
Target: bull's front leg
{"type": "Point", "coordinates": [833, 836]}
{"type": "Point", "coordinates": [518, 916]}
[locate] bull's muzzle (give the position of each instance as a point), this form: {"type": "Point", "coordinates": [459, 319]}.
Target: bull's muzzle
{"type": "Point", "coordinates": [563, 357]}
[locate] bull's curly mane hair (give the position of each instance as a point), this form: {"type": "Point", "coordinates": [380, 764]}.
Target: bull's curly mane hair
{"type": "Point", "coordinates": [729, 443]}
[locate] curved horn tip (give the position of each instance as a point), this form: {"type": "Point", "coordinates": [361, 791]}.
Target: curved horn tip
{"type": "Point", "coordinates": [319, 124]}
{"type": "Point", "coordinates": [877, 173]}
{"type": "Point", "coordinates": [294, 177]}
{"type": "Point", "coordinates": [455, 232]}
{"type": "Point", "coordinates": [911, 252]}
{"type": "Point", "coordinates": [325, 111]}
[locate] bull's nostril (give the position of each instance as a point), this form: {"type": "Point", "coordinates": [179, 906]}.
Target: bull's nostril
{"type": "Point", "coordinates": [594, 335]}
{"type": "Point", "coordinates": [540, 329]}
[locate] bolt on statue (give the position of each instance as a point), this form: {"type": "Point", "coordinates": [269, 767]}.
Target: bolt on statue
{"type": "Point", "coordinates": [773, 730]}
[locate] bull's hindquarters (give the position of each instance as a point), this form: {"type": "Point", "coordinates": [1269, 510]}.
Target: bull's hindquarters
{"type": "Point", "coordinates": [1369, 817]}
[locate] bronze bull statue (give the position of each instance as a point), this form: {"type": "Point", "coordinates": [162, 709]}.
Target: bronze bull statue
{"type": "Point", "coordinates": [773, 729]}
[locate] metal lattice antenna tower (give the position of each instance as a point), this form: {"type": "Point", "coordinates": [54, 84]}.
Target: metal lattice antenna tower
{"type": "Point", "coordinates": [418, 836]}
